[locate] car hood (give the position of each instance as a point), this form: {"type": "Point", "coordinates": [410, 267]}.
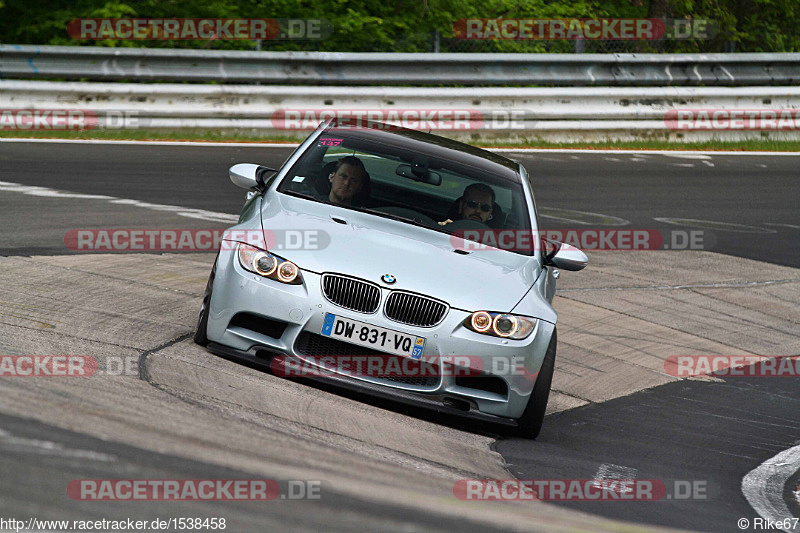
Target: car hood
{"type": "Point", "coordinates": [422, 261]}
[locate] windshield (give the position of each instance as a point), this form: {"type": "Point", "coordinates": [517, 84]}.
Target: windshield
{"type": "Point", "coordinates": [439, 189]}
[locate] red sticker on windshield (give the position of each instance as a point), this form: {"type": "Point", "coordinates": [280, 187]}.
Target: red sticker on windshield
{"type": "Point", "coordinates": [327, 141]}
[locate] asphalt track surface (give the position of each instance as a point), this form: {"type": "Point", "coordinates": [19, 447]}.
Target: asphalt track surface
{"type": "Point", "coordinates": [688, 430]}
{"type": "Point", "coordinates": [49, 458]}
{"type": "Point", "coordinates": [707, 434]}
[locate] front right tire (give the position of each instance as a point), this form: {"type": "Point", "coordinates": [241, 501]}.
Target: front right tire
{"type": "Point", "coordinates": [202, 320]}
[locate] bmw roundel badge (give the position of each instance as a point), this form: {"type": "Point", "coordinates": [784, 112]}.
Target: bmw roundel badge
{"type": "Point", "coordinates": [388, 278]}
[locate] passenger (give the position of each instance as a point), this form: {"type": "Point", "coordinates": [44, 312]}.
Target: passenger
{"type": "Point", "coordinates": [475, 204]}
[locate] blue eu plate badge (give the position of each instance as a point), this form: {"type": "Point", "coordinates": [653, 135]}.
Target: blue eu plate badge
{"type": "Point", "coordinates": [327, 327]}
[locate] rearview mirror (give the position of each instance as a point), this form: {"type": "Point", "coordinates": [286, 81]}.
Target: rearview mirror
{"type": "Point", "coordinates": [425, 176]}
{"type": "Point", "coordinates": [566, 257]}
{"type": "Point", "coordinates": [249, 176]}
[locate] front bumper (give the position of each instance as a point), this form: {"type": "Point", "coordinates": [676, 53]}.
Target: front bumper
{"type": "Point", "coordinates": [300, 310]}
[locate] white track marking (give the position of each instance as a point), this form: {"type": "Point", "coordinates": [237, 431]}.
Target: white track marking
{"type": "Point", "coordinates": [189, 212]}
{"type": "Point", "coordinates": [581, 217]}
{"type": "Point", "coordinates": [685, 155]}
{"type": "Point", "coordinates": [44, 191]}
{"type": "Point", "coordinates": [712, 225]}
{"type": "Point", "coordinates": [46, 447]}
{"type": "Point", "coordinates": [763, 486]}
{"type": "Point", "coordinates": [687, 165]}
{"type": "Point", "coordinates": [636, 152]}
{"type": "Point", "coordinates": [782, 225]}
{"type": "Point", "coordinates": [708, 163]}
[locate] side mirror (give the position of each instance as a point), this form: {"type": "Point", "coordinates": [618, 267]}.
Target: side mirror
{"type": "Point", "coordinates": [565, 257]}
{"type": "Point", "coordinates": [249, 176]}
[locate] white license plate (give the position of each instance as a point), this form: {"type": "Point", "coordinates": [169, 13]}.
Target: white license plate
{"type": "Point", "coordinates": [385, 340]}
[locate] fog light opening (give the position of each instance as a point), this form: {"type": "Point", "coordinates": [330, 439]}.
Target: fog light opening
{"type": "Point", "coordinates": [461, 405]}
{"type": "Point", "coordinates": [265, 355]}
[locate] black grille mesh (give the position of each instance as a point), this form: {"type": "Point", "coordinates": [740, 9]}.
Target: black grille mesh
{"type": "Point", "coordinates": [415, 310]}
{"type": "Point", "coordinates": [351, 293]}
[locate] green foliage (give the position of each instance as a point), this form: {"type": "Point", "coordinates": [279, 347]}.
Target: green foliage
{"type": "Point", "coordinates": [410, 25]}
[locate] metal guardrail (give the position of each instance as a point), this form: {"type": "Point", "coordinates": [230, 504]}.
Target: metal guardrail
{"type": "Point", "coordinates": [328, 68]}
{"type": "Point", "coordinates": [262, 102]}
{"type": "Point", "coordinates": [559, 114]}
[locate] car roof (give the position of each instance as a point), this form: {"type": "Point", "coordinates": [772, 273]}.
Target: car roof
{"type": "Point", "coordinates": [434, 147]}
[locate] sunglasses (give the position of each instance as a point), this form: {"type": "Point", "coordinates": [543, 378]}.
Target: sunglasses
{"type": "Point", "coordinates": [472, 204]}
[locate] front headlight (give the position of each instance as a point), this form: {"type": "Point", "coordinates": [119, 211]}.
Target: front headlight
{"type": "Point", "coordinates": [503, 325]}
{"type": "Point", "coordinates": [267, 265]}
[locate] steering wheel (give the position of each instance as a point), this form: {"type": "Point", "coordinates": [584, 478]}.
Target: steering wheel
{"type": "Point", "coordinates": [466, 223]}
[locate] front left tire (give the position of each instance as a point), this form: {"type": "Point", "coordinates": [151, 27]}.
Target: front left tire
{"type": "Point", "coordinates": [530, 423]}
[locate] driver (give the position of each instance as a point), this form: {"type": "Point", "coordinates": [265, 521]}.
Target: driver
{"type": "Point", "coordinates": [347, 180]}
{"type": "Point", "coordinates": [475, 204]}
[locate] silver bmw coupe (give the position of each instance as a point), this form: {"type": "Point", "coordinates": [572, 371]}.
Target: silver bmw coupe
{"type": "Point", "coordinates": [398, 263]}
